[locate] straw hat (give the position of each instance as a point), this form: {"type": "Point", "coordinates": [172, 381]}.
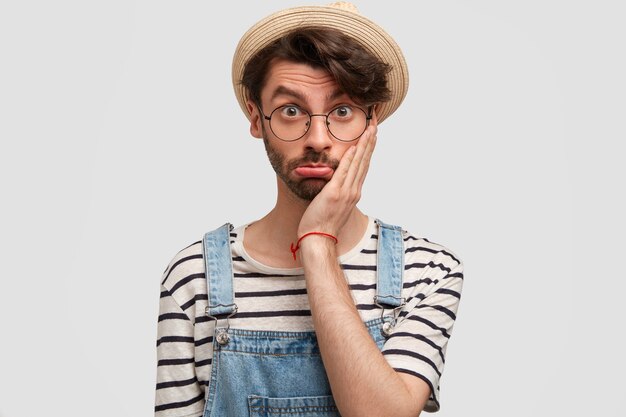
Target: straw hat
{"type": "Point", "coordinates": [341, 16]}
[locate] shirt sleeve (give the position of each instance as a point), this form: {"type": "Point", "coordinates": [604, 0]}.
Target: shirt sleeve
{"type": "Point", "coordinates": [178, 391]}
{"type": "Point", "coordinates": [417, 345]}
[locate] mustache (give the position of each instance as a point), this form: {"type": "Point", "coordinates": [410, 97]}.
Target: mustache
{"type": "Point", "coordinates": [313, 157]}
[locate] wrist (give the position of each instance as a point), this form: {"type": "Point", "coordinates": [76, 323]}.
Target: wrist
{"type": "Point", "coordinates": [317, 250]}
{"type": "Point", "coordinates": [315, 243]}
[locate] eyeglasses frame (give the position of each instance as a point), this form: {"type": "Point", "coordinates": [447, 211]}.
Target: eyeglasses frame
{"type": "Point", "coordinates": [368, 117]}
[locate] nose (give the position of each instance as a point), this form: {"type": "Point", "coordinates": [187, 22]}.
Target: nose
{"type": "Point", "coordinates": [318, 136]}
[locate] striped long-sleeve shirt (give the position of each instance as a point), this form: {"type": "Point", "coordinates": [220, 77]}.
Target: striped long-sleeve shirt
{"type": "Point", "coordinates": [275, 299]}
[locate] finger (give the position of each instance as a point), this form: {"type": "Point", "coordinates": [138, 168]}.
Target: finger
{"type": "Point", "coordinates": [369, 138]}
{"type": "Point", "coordinates": [360, 152]}
{"type": "Point", "coordinates": [344, 166]}
{"type": "Point", "coordinates": [365, 162]}
{"type": "Point", "coordinates": [363, 166]}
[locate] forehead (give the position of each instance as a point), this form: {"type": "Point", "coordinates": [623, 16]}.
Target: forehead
{"type": "Point", "coordinates": [286, 78]}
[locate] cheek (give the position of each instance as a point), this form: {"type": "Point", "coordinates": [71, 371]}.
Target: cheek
{"type": "Point", "coordinates": [345, 146]}
{"type": "Point", "coordinates": [276, 156]}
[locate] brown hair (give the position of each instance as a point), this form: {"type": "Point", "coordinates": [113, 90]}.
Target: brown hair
{"type": "Point", "coordinates": [359, 73]}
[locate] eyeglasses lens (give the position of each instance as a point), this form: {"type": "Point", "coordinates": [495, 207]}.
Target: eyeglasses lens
{"type": "Point", "coordinates": [345, 123]}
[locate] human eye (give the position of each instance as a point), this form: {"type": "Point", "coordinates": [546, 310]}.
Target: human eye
{"type": "Point", "coordinates": [342, 112]}
{"type": "Point", "coordinates": [291, 111]}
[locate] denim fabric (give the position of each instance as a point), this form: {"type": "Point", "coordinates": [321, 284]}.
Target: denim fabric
{"type": "Point", "coordinates": [264, 373]}
{"type": "Point", "coordinates": [219, 270]}
{"type": "Point", "coordinates": [389, 265]}
{"type": "Point", "coordinates": [269, 373]}
{"type": "Point", "coordinates": [300, 406]}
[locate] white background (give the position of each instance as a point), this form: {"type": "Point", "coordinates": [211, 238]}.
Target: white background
{"type": "Point", "coordinates": [122, 142]}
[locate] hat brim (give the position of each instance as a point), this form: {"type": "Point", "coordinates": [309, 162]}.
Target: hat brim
{"type": "Point", "coordinates": [363, 30]}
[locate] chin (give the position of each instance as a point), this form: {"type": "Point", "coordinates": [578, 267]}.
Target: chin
{"type": "Point", "coordinates": [309, 188]}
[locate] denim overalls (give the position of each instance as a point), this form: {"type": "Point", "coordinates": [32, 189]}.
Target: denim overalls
{"type": "Point", "coordinates": [268, 373]}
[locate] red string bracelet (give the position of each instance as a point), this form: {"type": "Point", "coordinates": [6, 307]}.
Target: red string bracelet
{"type": "Point", "coordinates": [294, 249]}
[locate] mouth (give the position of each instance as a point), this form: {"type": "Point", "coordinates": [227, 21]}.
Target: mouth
{"type": "Point", "coordinates": [314, 170]}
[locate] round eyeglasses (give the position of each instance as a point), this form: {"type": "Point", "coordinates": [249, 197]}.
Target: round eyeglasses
{"type": "Point", "coordinates": [345, 123]}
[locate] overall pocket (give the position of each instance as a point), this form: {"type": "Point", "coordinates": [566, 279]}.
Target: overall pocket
{"type": "Point", "coordinates": [323, 406]}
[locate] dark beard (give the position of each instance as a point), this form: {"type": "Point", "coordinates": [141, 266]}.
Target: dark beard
{"type": "Point", "coordinates": [305, 189]}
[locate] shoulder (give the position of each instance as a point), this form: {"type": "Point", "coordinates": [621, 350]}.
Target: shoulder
{"type": "Point", "coordinates": [422, 250]}
{"type": "Point", "coordinates": [423, 256]}
{"type": "Point", "coordinates": [185, 261]}
{"type": "Point", "coordinates": [183, 279]}
{"type": "Point", "coordinates": [430, 263]}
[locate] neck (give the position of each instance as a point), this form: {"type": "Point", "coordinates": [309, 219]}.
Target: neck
{"type": "Point", "coordinates": [268, 240]}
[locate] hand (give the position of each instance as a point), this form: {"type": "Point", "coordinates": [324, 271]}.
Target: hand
{"type": "Point", "coordinates": [331, 208]}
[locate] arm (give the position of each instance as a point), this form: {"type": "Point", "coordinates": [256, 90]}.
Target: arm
{"type": "Point", "coordinates": [178, 391]}
{"type": "Point", "coordinates": [362, 381]}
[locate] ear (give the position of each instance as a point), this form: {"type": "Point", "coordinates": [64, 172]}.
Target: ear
{"type": "Point", "coordinates": [256, 119]}
{"type": "Point", "coordinates": [374, 119]}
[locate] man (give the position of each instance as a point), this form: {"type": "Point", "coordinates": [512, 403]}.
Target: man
{"type": "Point", "coordinates": [316, 309]}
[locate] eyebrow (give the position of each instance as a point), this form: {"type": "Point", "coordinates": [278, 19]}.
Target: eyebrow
{"type": "Point", "coordinates": [281, 90]}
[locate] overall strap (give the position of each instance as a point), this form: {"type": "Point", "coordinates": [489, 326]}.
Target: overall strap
{"type": "Point", "coordinates": [219, 271]}
{"type": "Point", "coordinates": [390, 266]}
